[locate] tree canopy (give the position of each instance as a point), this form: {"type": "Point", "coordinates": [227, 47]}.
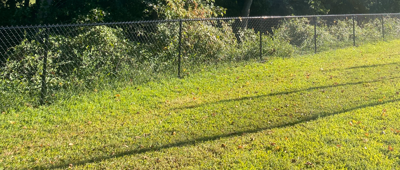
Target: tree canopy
{"type": "Point", "coordinates": [24, 12]}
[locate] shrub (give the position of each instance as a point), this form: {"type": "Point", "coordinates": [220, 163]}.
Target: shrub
{"type": "Point", "coordinates": [93, 55]}
{"type": "Point", "coordinates": [99, 52]}
{"type": "Point", "coordinates": [392, 27]}
{"type": "Point", "coordinates": [297, 31]}
{"type": "Point", "coordinates": [369, 30]}
{"type": "Point", "coordinates": [276, 47]}
{"type": "Point", "coordinates": [342, 30]}
{"type": "Point", "coordinates": [300, 33]}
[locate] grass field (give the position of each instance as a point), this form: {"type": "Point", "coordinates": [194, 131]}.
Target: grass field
{"type": "Point", "coordinates": [336, 109]}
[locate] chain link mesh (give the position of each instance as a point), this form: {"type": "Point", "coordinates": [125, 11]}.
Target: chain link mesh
{"type": "Point", "coordinates": [48, 63]}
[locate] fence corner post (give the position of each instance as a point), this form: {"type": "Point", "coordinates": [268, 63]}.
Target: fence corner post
{"type": "Point", "coordinates": [354, 31]}
{"type": "Point", "coordinates": [179, 48]}
{"type": "Point", "coordinates": [315, 34]}
{"type": "Point", "coordinates": [44, 86]}
{"type": "Point", "coordinates": [261, 45]}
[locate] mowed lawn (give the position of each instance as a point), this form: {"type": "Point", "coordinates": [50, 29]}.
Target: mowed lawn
{"type": "Point", "coordinates": [336, 109]}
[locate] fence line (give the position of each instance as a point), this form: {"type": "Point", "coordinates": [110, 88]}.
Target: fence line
{"type": "Point", "coordinates": [194, 19]}
{"type": "Point", "coordinates": [53, 60]}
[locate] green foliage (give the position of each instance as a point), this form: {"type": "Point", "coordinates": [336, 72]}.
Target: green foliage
{"type": "Point", "coordinates": [159, 51]}
{"type": "Point", "coordinates": [208, 41]}
{"type": "Point", "coordinates": [98, 55]}
{"type": "Point", "coordinates": [94, 16]}
{"type": "Point", "coordinates": [276, 47]}
{"type": "Point", "coordinates": [17, 12]}
{"type": "Point", "coordinates": [178, 9]}
{"type": "Point", "coordinates": [392, 27]}
{"type": "Point", "coordinates": [342, 30]}
{"type": "Point", "coordinates": [334, 34]}
{"type": "Point", "coordinates": [369, 30]}
{"type": "Point", "coordinates": [300, 33]}
{"type": "Point", "coordinates": [249, 48]}
{"type": "Point", "coordinates": [202, 41]}
{"type": "Point", "coordinates": [71, 61]}
{"type": "Point", "coordinates": [297, 31]}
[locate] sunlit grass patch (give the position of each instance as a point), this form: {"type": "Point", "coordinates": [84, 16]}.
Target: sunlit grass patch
{"type": "Point", "coordinates": [337, 109]}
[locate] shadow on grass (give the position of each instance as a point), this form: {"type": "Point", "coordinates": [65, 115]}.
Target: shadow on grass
{"type": "Point", "coordinates": [279, 93]}
{"type": "Point", "coordinates": [216, 137]}
{"type": "Point", "coordinates": [369, 66]}
{"type": "Point", "coordinates": [396, 54]}
{"type": "Point", "coordinates": [237, 133]}
{"type": "Point", "coordinates": [361, 67]}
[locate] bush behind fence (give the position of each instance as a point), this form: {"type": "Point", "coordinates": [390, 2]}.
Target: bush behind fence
{"type": "Point", "coordinates": [45, 64]}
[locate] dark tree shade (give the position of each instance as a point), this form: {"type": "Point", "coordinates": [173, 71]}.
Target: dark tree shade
{"type": "Point", "coordinates": [20, 12]}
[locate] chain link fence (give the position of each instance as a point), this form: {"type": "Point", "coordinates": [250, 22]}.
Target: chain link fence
{"type": "Point", "coordinates": [48, 63]}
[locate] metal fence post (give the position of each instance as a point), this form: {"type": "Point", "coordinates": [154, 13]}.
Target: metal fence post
{"type": "Point", "coordinates": [179, 48]}
{"type": "Point", "coordinates": [354, 32]}
{"type": "Point", "coordinates": [44, 87]}
{"type": "Point", "coordinates": [315, 35]}
{"type": "Point", "coordinates": [383, 29]}
{"type": "Point", "coordinates": [260, 45]}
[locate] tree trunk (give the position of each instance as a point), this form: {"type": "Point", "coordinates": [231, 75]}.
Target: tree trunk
{"type": "Point", "coordinates": [26, 3]}
{"type": "Point", "coordinates": [44, 6]}
{"type": "Point", "coordinates": [246, 12]}
{"type": "Point", "coordinates": [241, 24]}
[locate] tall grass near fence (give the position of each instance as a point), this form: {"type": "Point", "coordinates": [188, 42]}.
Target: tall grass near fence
{"type": "Point", "coordinates": [44, 64]}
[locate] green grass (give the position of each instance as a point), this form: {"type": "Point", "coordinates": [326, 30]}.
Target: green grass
{"type": "Point", "coordinates": [336, 109]}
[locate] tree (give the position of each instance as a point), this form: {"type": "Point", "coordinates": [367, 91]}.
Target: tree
{"type": "Point", "coordinates": [246, 12]}
{"type": "Point", "coordinates": [26, 3]}
{"type": "Point", "coordinates": [237, 8]}
{"type": "Point", "coordinates": [44, 8]}
{"type": "Point", "coordinates": [21, 12]}
{"type": "Point", "coordinates": [246, 8]}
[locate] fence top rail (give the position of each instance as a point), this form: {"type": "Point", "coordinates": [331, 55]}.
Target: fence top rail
{"type": "Point", "coordinates": [196, 19]}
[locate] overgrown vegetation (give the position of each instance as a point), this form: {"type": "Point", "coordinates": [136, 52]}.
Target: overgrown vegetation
{"type": "Point", "coordinates": [113, 99]}
{"type": "Point", "coordinates": [336, 109]}
{"type": "Point", "coordinates": [89, 57]}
